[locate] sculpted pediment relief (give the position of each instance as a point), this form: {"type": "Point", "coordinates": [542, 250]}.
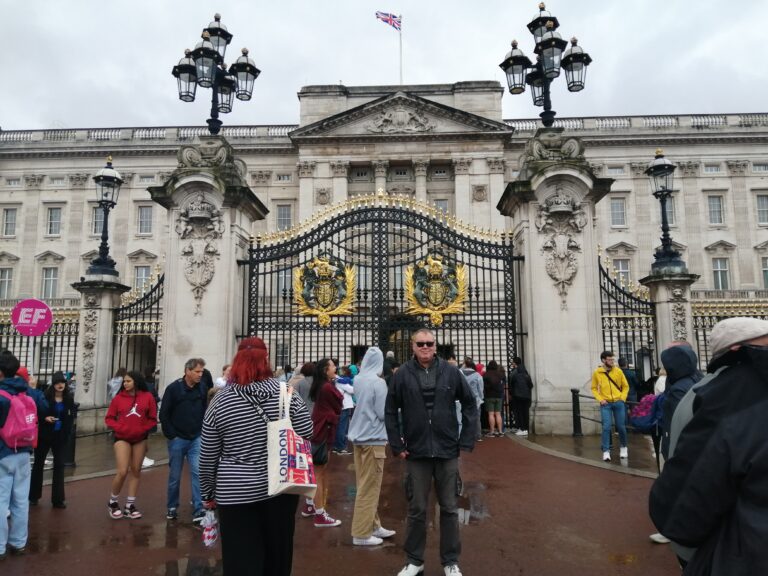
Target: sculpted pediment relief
{"type": "Point", "coordinates": [401, 115]}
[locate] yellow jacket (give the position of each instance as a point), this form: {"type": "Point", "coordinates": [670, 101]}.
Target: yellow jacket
{"type": "Point", "coordinates": [604, 389]}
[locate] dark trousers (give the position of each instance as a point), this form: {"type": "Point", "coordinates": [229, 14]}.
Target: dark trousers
{"type": "Point", "coordinates": [257, 538]}
{"type": "Point", "coordinates": [521, 408]}
{"type": "Point", "coordinates": [418, 482]}
{"type": "Point", "coordinates": [55, 442]}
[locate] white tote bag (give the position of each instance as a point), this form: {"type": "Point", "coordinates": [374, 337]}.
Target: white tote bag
{"type": "Point", "coordinates": [290, 465]}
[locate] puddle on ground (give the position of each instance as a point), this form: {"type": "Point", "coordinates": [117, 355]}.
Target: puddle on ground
{"type": "Point", "coordinates": [191, 567]}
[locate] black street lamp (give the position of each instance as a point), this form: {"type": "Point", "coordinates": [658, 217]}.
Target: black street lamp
{"type": "Point", "coordinates": [108, 182]}
{"type": "Point", "coordinates": [661, 173]}
{"type": "Point", "coordinates": [549, 59]}
{"type": "Point", "coordinates": [204, 66]}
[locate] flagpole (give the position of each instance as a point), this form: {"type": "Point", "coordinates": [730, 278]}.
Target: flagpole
{"type": "Point", "coordinates": [400, 34]}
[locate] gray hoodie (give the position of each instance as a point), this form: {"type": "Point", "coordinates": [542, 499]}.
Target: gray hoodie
{"type": "Point", "coordinates": [367, 426]}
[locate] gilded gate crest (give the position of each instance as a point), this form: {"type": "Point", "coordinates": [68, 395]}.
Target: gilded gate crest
{"type": "Point", "coordinates": [435, 286]}
{"type": "Point", "coordinates": [324, 287]}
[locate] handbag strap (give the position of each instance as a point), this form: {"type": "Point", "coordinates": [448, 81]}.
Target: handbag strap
{"type": "Point", "coordinates": [284, 403]}
{"type": "Point", "coordinates": [619, 388]}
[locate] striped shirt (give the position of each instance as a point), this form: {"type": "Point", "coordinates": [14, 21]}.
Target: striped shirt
{"type": "Point", "coordinates": [233, 451]}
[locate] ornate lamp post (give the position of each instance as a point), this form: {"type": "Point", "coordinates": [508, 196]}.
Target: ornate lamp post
{"type": "Point", "coordinates": [108, 182]}
{"type": "Point", "coordinates": [204, 66]}
{"type": "Point", "coordinates": [661, 173]}
{"type": "Point", "coordinates": [549, 59]}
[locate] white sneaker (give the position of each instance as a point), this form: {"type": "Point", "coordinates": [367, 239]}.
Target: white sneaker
{"type": "Point", "coordinates": [659, 538]}
{"type": "Point", "coordinates": [606, 456]}
{"type": "Point", "coordinates": [147, 462]}
{"type": "Point", "coordinates": [383, 533]}
{"type": "Point", "coordinates": [370, 541]}
{"type": "Point", "coordinates": [623, 452]}
{"type": "Point", "coordinates": [521, 433]}
{"type": "Point", "coordinates": [452, 570]}
{"type": "Point", "coordinates": [411, 570]}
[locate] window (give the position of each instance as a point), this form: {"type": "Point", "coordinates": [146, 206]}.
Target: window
{"type": "Point", "coordinates": [50, 286]}
{"type": "Point", "coordinates": [6, 282]}
{"type": "Point", "coordinates": [284, 220]}
{"type": "Point", "coordinates": [621, 265]}
{"type": "Point", "coordinates": [711, 168]}
{"type": "Point", "coordinates": [618, 212]}
{"type": "Point", "coordinates": [720, 273]}
{"type": "Point", "coordinates": [282, 354]}
{"type": "Point", "coordinates": [141, 276]}
{"type": "Point", "coordinates": [364, 277]}
{"type": "Point", "coordinates": [762, 208]}
{"type": "Point", "coordinates": [13, 181]}
{"type": "Point", "coordinates": [765, 272]}
{"type": "Point", "coordinates": [671, 211]}
{"type": "Point", "coordinates": [397, 278]}
{"type": "Point", "coordinates": [146, 178]}
{"type": "Point", "coordinates": [361, 173]}
{"type": "Point", "coordinates": [283, 177]}
{"type": "Point", "coordinates": [53, 226]}
{"type": "Point", "coordinates": [614, 170]}
{"type": "Point", "coordinates": [144, 220]}
{"type": "Point", "coordinates": [626, 350]}
{"type": "Point", "coordinates": [762, 167]}
{"type": "Point", "coordinates": [284, 278]}
{"type": "Point", "coordinates": [9, 222]}
{"type": "Point", "coordinates": [57, 180]}
{"type": "Point", "coordinates": [442, 205]}
{"type": "Point", "coordinates": [401, 172]}
{"type": "Point", "coordinates": [440, 172]}
{"type": "Point", "coordinates": [97, 220]}
{"type": "Point", "coordinates": [46, 359]}
{"type": "Point", "coordinates": [716, 215]}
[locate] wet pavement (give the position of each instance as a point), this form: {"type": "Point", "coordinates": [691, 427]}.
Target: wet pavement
{"type": "Point", "coordinates": [524, 511]}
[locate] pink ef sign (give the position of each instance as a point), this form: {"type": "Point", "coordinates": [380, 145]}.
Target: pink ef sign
{"type": "Point", "coordinates": [31, 317]}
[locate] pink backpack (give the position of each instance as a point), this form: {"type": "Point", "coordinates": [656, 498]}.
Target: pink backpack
{"type": "Point", "coordinates": [20, 428]}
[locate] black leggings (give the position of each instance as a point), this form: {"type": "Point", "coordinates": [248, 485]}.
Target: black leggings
{"type": "Point", "coordinates": [521, 410]}
{"type": "Point", "coordinates": [257, 538]}
{"type": "Point", "coordinates": [55, 442]}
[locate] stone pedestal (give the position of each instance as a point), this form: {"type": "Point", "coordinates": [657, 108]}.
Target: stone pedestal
{"type": "Point", "coordinates": [210, 211]}
{"type": "Point", "coordinates": [553, 206]}
{"type": "Point", "coordinates": [671, 293]}
{"type": "Point", "coordinates": [100, 295]}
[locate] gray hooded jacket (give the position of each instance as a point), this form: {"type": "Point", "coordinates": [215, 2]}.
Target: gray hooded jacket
{"type": "Point", "coordinates": [367, 426]}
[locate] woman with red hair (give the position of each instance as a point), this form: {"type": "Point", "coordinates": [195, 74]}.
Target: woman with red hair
{"type": "Point", "coordinates": [325, 418]}
{"type": "Point", "coordinates": [256, 529]}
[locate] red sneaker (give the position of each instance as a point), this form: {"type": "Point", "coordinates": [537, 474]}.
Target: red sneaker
{"type": "Point", "coordinates": [307, 511]}
{"type": "Point", "coordinates": [325, 521]}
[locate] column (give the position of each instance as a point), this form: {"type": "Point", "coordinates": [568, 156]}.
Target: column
{"type": "Point", "coordinates": [339, 171]}
{"type": "Point", "coordinates": [420, 172]}
{"type": "Point", "coordinates": [496, 189]}
{"type": "Point", "coordinates": [306, 189]}
{"type": "Point", "coordinates": [744, 253]}
{"type": "Point", "coordinates": [462, 194]}
{"type": "Point", "coordinates": [380, 168]}
{"type": "Point", "coordinates": [671, 294]}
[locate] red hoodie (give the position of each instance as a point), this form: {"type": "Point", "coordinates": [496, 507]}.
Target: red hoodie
{"type": "Point", "coordinates": [131, 417]}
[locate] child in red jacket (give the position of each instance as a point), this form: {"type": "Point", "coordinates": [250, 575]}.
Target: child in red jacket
{"type": "Point", "coordinates": [131, 415]}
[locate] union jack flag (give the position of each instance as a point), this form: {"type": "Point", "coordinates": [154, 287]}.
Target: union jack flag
{"type": "Point", "coordinates": [392, 19]}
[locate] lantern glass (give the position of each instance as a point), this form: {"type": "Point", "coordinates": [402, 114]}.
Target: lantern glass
{"type": "Point", "coordinates": [550, 60]}
{"type": "Point", "coordinates": [536, 81]}
{"type": "Point", "coordinates": [108, 182]}
{"type": "Point", "coordinates": [244, 71]}
{"type": "Point", "coordinates": [226, 91]}
{"type": "Point", "coordinates": [186, 76]}
{"type": "Point", "coordinates": [205, 65]}
{"type": "Point", "coordinates": [661, 174]}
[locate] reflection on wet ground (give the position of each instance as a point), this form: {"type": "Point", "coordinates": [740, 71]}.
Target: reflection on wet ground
{"type": "Point", "coordinates": [191, 567]}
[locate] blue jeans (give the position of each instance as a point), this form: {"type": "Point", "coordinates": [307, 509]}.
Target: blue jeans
{"type": "Point", "coordinates": [619, 411]}
{"type": "Point", "coordinates": [15, 474]}
{"type": "Point", "coordinates": [178, 449]}
{"type": "Point", "coordinates": [342, 429]}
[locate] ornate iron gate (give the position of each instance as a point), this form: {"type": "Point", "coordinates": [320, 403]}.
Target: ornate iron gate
{"type": "Point", "coordinates": [374, 269]}
{"type": "Point", "coordinates": [628, 321]}
{"type": "Point", "coordinates": [138, 328]}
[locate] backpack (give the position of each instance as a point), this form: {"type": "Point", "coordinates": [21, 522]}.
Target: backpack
{"type": "Point", "coordinates": [647, 415]}
{"type": "Point", "coordinates": [20, 428]}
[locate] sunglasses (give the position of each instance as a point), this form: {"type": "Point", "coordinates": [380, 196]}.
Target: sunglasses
{"type": "Point", "coordinates": [427, 344]}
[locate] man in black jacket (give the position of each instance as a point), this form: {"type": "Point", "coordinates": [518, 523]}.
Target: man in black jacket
{"type": "Point", "coordinates": [682, 366]}
{"type": "Point", "coordinates": [712, 492]}
{"type": "Point", "coordinates": [423, 395]}
{"type": "Point", "coordinates": [181, 416]}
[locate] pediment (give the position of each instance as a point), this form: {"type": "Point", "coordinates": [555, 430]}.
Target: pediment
{"type": "Point", "coordinates": [621, 247]}
{"type": "Point", "coordinates": [141, 254]}
{"type": "Point", "coordinates": [676, 245]}
{"type": "Point", "coordinates": [8, 257]}
{"type": "Point", "coordinates": [401, 115]}
{"type": "Point", "coordinates": [49, 255]}
{"type": "Point", "coordinates": [762, 247]}
{"type": "Point", "coordinates": [720, 245]}
{"type": "Point", "coordinates": [90, 255]}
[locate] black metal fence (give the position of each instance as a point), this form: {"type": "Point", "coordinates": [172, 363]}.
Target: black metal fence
{"type": "Point", "coordinates": [54, 351]}
{"type": "Point", "coordinates": [628, 321]}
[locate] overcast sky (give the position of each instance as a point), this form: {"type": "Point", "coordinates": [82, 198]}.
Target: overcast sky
{"type": "Point", "coordinates": [97, 63]}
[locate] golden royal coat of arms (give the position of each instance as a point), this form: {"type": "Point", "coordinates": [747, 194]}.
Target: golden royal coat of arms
{"type": "Point", "coordinates": [324, 287]}
{"type": "Point", "coordinates": [435, 286]}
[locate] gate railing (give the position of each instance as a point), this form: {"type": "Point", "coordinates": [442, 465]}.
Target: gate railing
{"type": "Point", "coordinates": [138, 327]}
{"type": "Point", "coordinates": [710, 306]}
{"type": "Point", "coordinates": [628, 319]}
{"type": "Point", "coordinates": [54, 351]}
